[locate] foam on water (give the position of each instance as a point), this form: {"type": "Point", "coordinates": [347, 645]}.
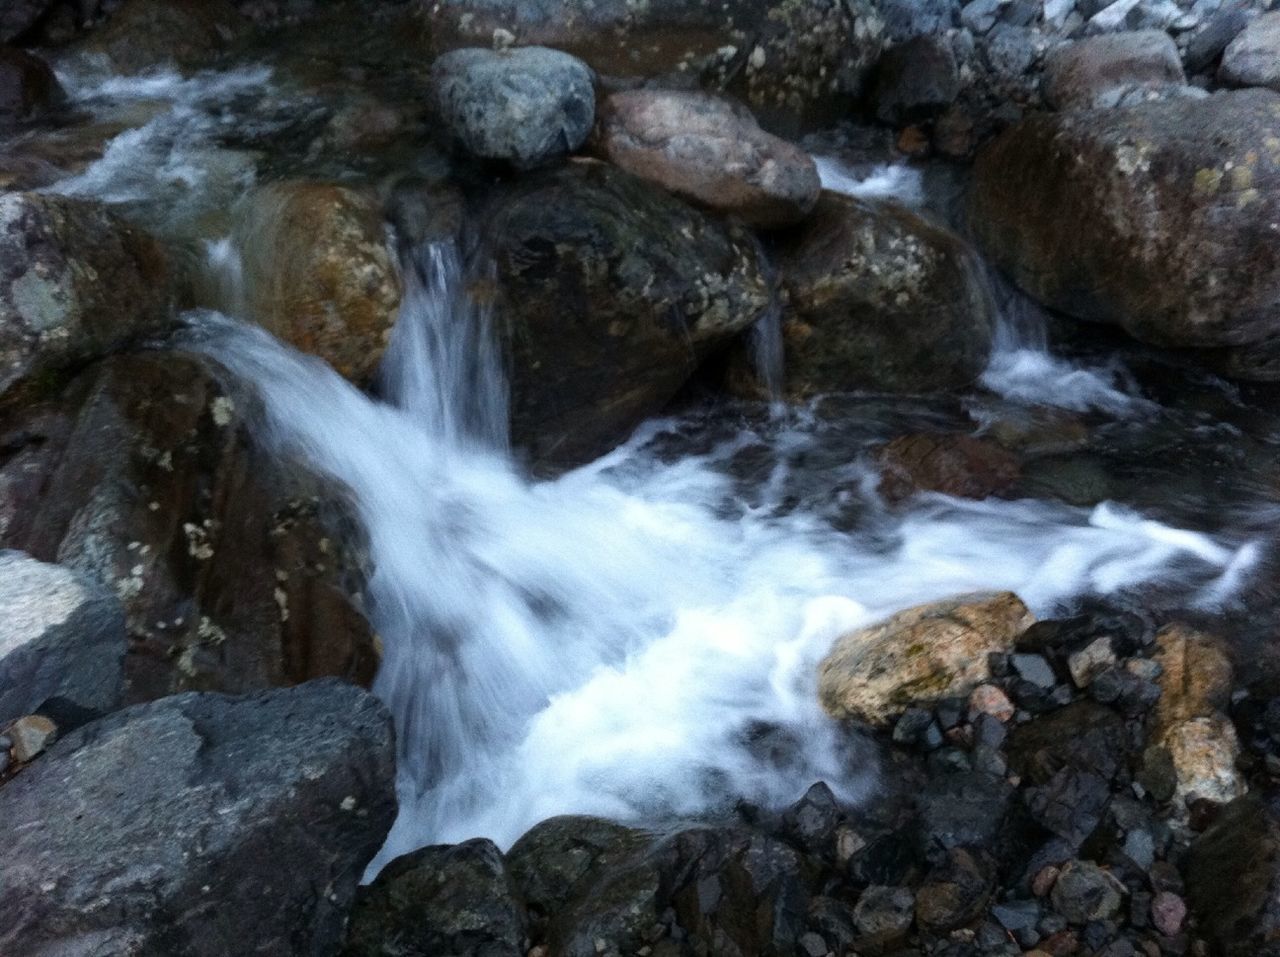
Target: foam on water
{"type": "Point", "coordinates": [634, 639]}
{"type": "Point", "coordinates": [896, 181]}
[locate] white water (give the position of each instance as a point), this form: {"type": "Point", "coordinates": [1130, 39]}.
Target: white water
{"type": "Point", "coordinates": [634, 639]}
{"type": "Point", "coordinates": [895, 181]}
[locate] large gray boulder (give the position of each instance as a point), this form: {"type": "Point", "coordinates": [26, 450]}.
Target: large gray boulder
{"type": "Point", "coordinates": [1159, 218]}
{"type": "Point", "coordinates": [527, 105]}
{"type": "Point", "coordinates": [62, 639]}
{"type": "Point", "coordinates": [711, 151]}
{"type": "Point", "coordinates": [1253, 57]}
{"type": "Point", "coordinates": [1098, 71]}
{"type": "Point", "coordinates": [76, 282]}
{"type": "Point", "coordinates": [199, 825]}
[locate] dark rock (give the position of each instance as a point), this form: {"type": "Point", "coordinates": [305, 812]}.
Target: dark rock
{"type": "Point", "coordinates": [1071, 804]}
{"type": "Point", "coordinates": [148, 34]}
{"type": "Point", "coordinates": [885, 913]}
{"type": "Point", "coordinates": [1035, 669]}
{"type": "Point", "coordinates": [1017, 915]}
{"type": "Point", "coordinates": [62, 640]}
{"type": "Point", "coordinates": [221, 825]}
{"type": "Point", "coordinates": [906, 19]}
{"type": "Point", "coordinates": [1205, 47]}
{"type": "Point", "coordinates": [456, 899]}
{"type": "Point", "coordinates": [1085, 892]}
{"type": "Point", "coordinates": [964, 809]}
{"type": "Point", "coordinates": [28, 88]}
{"type": "Point", "coordinates": [19, 16]}
{"type": "Point", "coordinates": [881, 299]}
{"type": "Point", "coordinates": [956, 892]}
{"type": "Point", "coordinates": [812, 821]}
{"type": "Point", "coordinates": [76, 282]}
{"type": "Point", "coordinates": [1084, 736]}
{"type": "Point", "coordinates": [1253, 57]}
{"type": "Point", "coordinates": [527, 106]}
{"type": "Point", "coordinates": [613, 291]}
{"type": "Point", "coordinates": [916, 80]}
{"type": "Point", "coordinates": [911, 727]}
{"type": "Point", "coordinates": [891, 859]}
{"type": "Point", "coordinates": [1094, 72]}
{"type": "Point", "coordinates": [948, 463]}
{"type": "Point", "coordinates": [833, 920]}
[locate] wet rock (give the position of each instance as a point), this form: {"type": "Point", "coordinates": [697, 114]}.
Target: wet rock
{"type": "Point", "coordinates": [794, 63]}
{"type": "Point", "coordinates": [1085, 892]}
{"type": "Point", "coordinates": [1233, 874]}
{"type": "Point", "coordinates": [992, 701]}
{"type": "Point", "coordinates": [1095, 72]}
{"type": "Point", "coordinates": [456, 899]}
{"type": "Point", "coordinates": [905, 19]}
{"type": "Point", "coordinates": [950, 463]}
{"type": "Point", "coordinates": [221, 825]}
{"type": "Point", "coordinates": [1095, 657]}
{"type": "Point", "coordinates": [956, 892]}
{"type": "Point", "coordinates": [613, 291]}
{"type": "Point", "coordinates": [317, 271]}
{"type": "Point", "coordinates": [964, 809]}
{"type": "Point", "coordinates": [885, 913]}
{"type": "Point", "coordinates": [1253, 57]}
{"type": "Point", "coordinates": [1070, 804]}
{"type": "Point", "coordinates": [236, 570]}
{"type": "Point", "coordinates": [1083, 736]}
{"type": "Point", "coordinates": [711, 151]}
{"type": "Point", "coordinates": [30, 736]}
{"type": "Point", "coordinates": [19, 16]}
{"type": "Point", "coordinates": [1196, 675]}
{"type": "Point", "coordinates": [28, 87]}
{"type": "Point", "coordinates": [62, 639]}
{"type": "Point", "coordinates": [148, 34]}
{"type": "Point", "coordinates": [1157, 194]}
{"type": "Point", "coordinates": [1207, 45]}
{"type": "Point", "coordinates": [812, 821]}
{"type": "Point", "coordinates": [75, 283]}
{"type": "Point", "coordinates": [1035, 669]}
{"type": "Point", "coordinates": [925, 653]}
{"type": "Point", "coordinates": [916, 80]}
{"type": "Point", "coordinates": [881, 299]}
{"type": "Point", "coordinates": [527, 106]}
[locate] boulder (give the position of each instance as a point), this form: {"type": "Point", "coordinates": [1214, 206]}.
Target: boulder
{"type": "Point", "coordinates": [905, 19]}
{"type": "Point", "coordinates": [200, 824]}
{"type": "Point", "coordinates": [1233, 878]}
{"type": "Point", "coordinates": [144, 35]}
{"type": "Point", "coordinates": [1097, 71]}
{"type": "Point", "coordinates": [62, 640]}
{"type": "Point", "coordinates": [1195, 677]}
{"type": "Point", "coordinates": [950, 463]}
{"type": "Point", "coordinates": [28, 87]}
{"type": "Point", "coordinates": [929, 652]}
{"type": "Point", "coordinates": [440, 900]}
{"type": "Point", "coordinates": [709, 150]}
{"type": "Point", "coordinates": [318, 273]}
{"type": "Point", "coordinates": [916, 80]}
{"type": "Point", "coordinates": [613, 292]}
{"type": "Point", "coordinates": [792, 61]}
{"type": "Point", "coordinates": [1253, 57]}
{"type": "Point", "coordinates": [235, 569]}
{"type": "Point", "coordinates": [76, 282]}
{"type": "Point", "coordinates": [526, 106]}
{"type": "Point", "coordinates": [1170, 206]}
{"type": "Point", "coordinates": [880, 298]}
{"type": "Point", "coordinates": [19, 16]}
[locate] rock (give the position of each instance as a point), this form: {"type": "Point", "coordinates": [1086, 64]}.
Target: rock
{"type": "Point", "coordinates": [1085, 892]}
{"type": "Point", "coordinates": [62, 640]}
{"type": "Point", "coordinates": [1233, 878]}
{"type": "Point", "coordinates": [1253, 57]}
{"type": "Point", "coordinates": [237, 571]}
{"type": "Point", "coordinates": [990, 700]}
{"type": "Point", "coordinates": [1203, 752]}
{"type": "Point", "coordinates": [1169, 203]}
{"type": "Point", "coordinates": [28, 88]}
{"type": "Point", "coordinates": [1083, 736]}
{"type": "Point", "coordinates": [148, 34]}
{"type": "Point", "coordinates": [613, 292]}
{"type": "Point", "coordinates": [1168, 911]}
{"type": "Point", "coordinates": [955, 893]}
{"type": "Point", "coordinates": [885, 913]}
{"type": "Point", "coordinates": [881, 299]}
{"type": "Point", "coordinates": [526, 106]}
{"type": "Point", "coordinates": [981, 15]}
{"type": "Point", "coordinates": [456, 899]}
{"type": "Point", "coordinates": [711, 151]}
{"type": "Point", "coordinates": [795, 62]}
{"type": "Point", "coordinates": [30, 736]}
{"type": "Point", "coordinates": [1035, 669]}
{"type": "Point", "coordinates": [932, 651]}
{"type": "Point", "coordinates": [812, 821]}
{"type": "Point", "coordinates": [963, 809]}
{"type": "Point", "coordinates": [950, 463]}
{"type": "Point", "coordinates": [906, 19]}
{"type": "Point", "coordinates": [19, 16]}
{"type": "Point", "coordinates": [220, 825]}
{"type": "Point", "coordinates": [1095, 657]}
{"type": "Point", "coordinates": [916, 80]}
{"type": "Point", "coordinates": [1094, 72]}
{"type": "Point", "coordinates": [75, 283]}
{"type": "Point", "coordinates": [1207, 46]}
{"type": "Point", "coordinates": [317, 271]}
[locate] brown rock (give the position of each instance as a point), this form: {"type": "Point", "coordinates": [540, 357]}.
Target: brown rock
{"type": "Point", "coordinates": [1196, 681]}
{"type": "Point", "coordinates": [949, 463]}
{"type": "Point", "coordinates": [932, 651]}
{"type": "Point", "coordinates": [1095, 71]}
{"type": "Point", "coordinates": [317, 272]}
{"type": "Point", "coordinates": [31, 735]}
{"type": "Point", "coordinates": [711, 151]}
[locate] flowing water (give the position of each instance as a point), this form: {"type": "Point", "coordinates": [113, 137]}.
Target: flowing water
{"type": "Point", "coordinates": [639, 638]}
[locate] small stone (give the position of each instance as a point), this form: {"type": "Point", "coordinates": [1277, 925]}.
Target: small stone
{"type": "Point", "coordinates": [884, 911]}
{"type": "Point", "coordinates": [1168, 911]}
{"type": "Point", "coordinates": [990, 700]}
{"type": "Point", "coordinates": [1035, 669]}
{"type": "Point", "coordinates": [1044, 880]}
{"type": "Point", "coordinates": [1145, 669]}
{"type": "Point", "coordinates": [1140, 848]}
{"type": "Point", "coordinates": [1085, 892]}
{"type": "Point", "coordinates": [813, 945]}
{"type": "Point", "coordinates": [1090, 660]}
{"type": "Point", "coordinates": [989, 731]}
{"type": "Point", "coordinates": [910, 728]}
{"type": "Point", "coordinates": [31, 736]}
{"type": "Point", "coordinates": [1017, 915]}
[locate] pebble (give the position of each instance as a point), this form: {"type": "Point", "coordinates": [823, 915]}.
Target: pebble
{"type": "Point", "coordinates": [31, 735]}
{"type": "Point", "coordinates": [1035, 669]}
{"type": "Point", "coordinates": [1044, 880]}
{"type": "Point", "coordinates": [813, 945]}
{"type": "Point", "coordinates": [1017, 915]}
{"type": "Point", "coordinates": [988, 699]}
{"type": "Point", "coordinates": [1140, 848]}
{"type": "Point", "coordinates": [1168, 911]}
{"type": "Point", "coordinates": [884, 911]}
{"type": "Point", "coordinates": [1084, 893]}
{"type": "Point", "coordinates": [1091, 659]}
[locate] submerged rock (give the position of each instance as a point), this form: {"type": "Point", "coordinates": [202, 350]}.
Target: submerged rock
{"type": "Point", "coordinates": [28, 87]}
{"type": "Point", "coordinates": [76, 283]}
{"type": "Point", "coordinates": [881, 299]}
{"type": "Point", "coordinates": [1253, 57]}
{"type": "Point", "coordinates": [455, 899]}
{"type": "Point", "coordinates": [318, 273]}
{"type": "Point", "coordinates": [711, 151]}
{"type": "Point", "coordinates": [1169, 207]}
{"type": "Point", "coordinates": [947, 463]}
{"type": "Point", "coordinates": [613, 292]}
{"type": "Point", "coordinates": [925, 653]}
{"type": "Point", "coordinates": [526, 105]}
{"type": "Point", "coordinates": [148, 34]}
{"type": "Point", "coordinates": [1097, 71]}
{"type": "Point", "coordinates": [201, 824]}
{"type": "Point", "coordinates": [62, 640]}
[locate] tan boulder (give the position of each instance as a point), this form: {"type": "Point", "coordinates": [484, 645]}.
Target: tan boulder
{"type": "Point", "coordinates": [932, 651]}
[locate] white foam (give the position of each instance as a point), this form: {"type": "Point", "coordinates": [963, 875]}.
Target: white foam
{"type": "Point", "coordinates": [895, 181]}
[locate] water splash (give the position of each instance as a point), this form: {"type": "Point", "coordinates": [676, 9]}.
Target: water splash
{"type": "Point", "coordinates": [895, 181]}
